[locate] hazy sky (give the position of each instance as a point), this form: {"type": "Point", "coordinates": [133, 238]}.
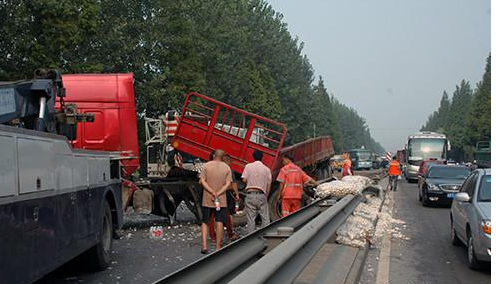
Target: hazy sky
{"type": "Point", "coordinates": [390, 59]}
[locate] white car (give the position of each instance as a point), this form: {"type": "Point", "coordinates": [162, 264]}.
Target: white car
{"type": "Point", "coordinates": [471, 217]}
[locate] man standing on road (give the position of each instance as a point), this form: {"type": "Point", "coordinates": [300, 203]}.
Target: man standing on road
{"type": "Point", "coordinates": [258, 179]}
{"type": "Point", "coordinates": [291, 180]}
{"type": "Point", "coordinates": [232, 196]}
{"type": "Point", "coordinates": [215, 179]}
{"type": "Point", "coordinates": [394, 172]}
{"type": "Point", "coordinates": [347, 169]}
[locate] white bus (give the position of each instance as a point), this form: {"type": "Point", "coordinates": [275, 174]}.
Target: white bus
{"type": "Point", "coordinates": [424, 146]}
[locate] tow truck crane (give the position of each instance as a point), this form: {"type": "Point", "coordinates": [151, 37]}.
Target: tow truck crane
{"type": "Point", "coordinates": [56, 202]}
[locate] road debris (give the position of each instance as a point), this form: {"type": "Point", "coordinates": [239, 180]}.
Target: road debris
{"type": "Point", "coordinates": [156, 232]}
{"type": "Point", "coordinates": [340, 188]}
{"type": "Point", "coordinates": [358, 229]}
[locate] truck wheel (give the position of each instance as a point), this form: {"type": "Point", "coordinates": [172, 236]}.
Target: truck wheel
{"type": "Point", "coordinates": [274, 207]}
{"type": "Point", "coordinates": [165, 202]}
{"type": "Point", "coordinates": [193, 202]}
{"type": "Point", "coordinates": [320, 173]}
{"type": "Point", "coordinates": [99, 255]}
{"type": "Point", "coordinates": [240, 218]}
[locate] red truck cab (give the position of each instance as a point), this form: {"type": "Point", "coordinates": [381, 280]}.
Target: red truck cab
{"type": "Point", "coordinates": [110, 97]}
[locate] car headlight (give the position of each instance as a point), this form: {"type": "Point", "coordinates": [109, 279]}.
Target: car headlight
{"type": "Point", "coordinates": [486, 226]}
{"type": "Point", "coordinates": [434, 187]}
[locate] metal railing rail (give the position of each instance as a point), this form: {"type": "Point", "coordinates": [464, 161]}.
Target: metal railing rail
{"type": "Point", "coordinates": [213, 268]}
{"type": "Point", "coordinates": [285, 262]}
{"type": "Point", "coordinates": [244, 262]}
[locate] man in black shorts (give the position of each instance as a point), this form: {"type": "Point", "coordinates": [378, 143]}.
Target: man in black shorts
{"type": "Point", "coordinates": [215, 179]}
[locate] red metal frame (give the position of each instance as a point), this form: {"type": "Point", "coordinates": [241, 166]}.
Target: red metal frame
{"type": "Point", "coordinates": [228, 128]}
{"type": "Point", "coordinates": [309, 152]}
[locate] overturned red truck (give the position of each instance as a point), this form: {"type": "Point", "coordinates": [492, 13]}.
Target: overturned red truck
{"type": "Point", "coordinates": [175, 157]}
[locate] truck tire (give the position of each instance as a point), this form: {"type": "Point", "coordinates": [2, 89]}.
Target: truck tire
{"type": "Point", "coordinates": [320, 173]}
{"type": "Point", "coordinates": [193, 202]}
{"type": "Point", "coordinates": [274, 207]}
{"type": "Point", "coordinates": [164, 206]}
{"type": "Point", "coordinates": [99, 255]}
{"type": "Point", "coordinates": [239, 219]}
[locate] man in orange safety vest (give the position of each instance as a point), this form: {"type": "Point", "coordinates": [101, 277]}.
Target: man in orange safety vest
{"type": "Point", "coordinates": [394, 172]}
{"type": "Point", "coordinates": [291, 180]}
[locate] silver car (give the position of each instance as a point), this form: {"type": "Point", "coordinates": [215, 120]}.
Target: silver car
{"type": "Point", "coordinates": [471, 217]}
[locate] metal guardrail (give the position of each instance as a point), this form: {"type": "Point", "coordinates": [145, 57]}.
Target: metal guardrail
{"type": "Point", "coordinates": [285, 262]}
{"type": "Point", "coordinates": [248, 259]}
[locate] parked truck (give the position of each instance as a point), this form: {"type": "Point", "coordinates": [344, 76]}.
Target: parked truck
{"type": "Point", "coordinates": [177, 144]}
{"type": "Point", "coordinates": [482, 154]}
{"type": "Point", "coordinates": [362, 159]}
{"type": "Point", "coordinates": [56, 201]}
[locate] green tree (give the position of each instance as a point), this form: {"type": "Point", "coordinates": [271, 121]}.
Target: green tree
{"type": "Point", "coordinates": [467, 118]}
{"type": "Point", "coordinates": [324, 115]}
{"type": "Point", "coordinates": [239, 52]}
{"type": "Point", "coordinates": [458, 115]}
{"type": "Point", "coordinates": [479, 121]}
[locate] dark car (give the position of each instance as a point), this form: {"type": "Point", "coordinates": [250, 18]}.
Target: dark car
{"type": "Point", "coordinates": [441, 183]}
{"type": "Point", "coordinates": [424, 166]}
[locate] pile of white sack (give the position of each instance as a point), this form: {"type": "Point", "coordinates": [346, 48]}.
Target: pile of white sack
{"type": "Point", "coordinates": [340, 188]}
{"type": "Point", "coordinates": [359, 227]}
{"type": "Point", "coordinates": [360, 180]}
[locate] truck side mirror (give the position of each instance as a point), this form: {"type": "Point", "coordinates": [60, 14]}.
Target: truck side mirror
{"type": "Point", "coordinates": [449, 146]}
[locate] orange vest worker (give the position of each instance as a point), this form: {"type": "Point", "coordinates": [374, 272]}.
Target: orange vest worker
{"type": "Point", "coordinates": [293, 179]}
{"type": "Point", "coordinates": [394, 168]}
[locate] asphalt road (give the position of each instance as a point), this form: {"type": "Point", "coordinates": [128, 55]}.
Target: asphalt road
{"type": "Point", "coordinates": [138, 259]}
{"type": "Point", "coordinates": [421, 251]}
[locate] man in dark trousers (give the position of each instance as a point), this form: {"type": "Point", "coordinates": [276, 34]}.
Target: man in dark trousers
{"type": "Point", "coordinates": [215, 179]}
{"type": "Point", "coordinates": [394, 172]}
{"type": "Point", "coordinates": [232, 198]}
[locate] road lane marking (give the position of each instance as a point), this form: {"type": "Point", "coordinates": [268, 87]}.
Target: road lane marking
{"type": "Point", "coordinates": [385, 254]}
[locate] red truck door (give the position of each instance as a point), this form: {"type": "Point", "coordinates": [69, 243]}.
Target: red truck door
{"type": "Point", "coordinates": [110, 97]}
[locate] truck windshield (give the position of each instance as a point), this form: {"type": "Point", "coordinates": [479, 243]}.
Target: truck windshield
{"type": "Point", "coordinates": [427, 148]}
{"type": "Point", "coordinates": [485, 189]}
{"type": "Point", "coordinates": [361, 155]}
{"type": "Point", "coordinates": [364, 156]}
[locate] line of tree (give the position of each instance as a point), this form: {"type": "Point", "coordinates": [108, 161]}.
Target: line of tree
{"type": "Point", "coordinates": [465, 117]}
{"type": "Point", "coordinates": [239, 52]}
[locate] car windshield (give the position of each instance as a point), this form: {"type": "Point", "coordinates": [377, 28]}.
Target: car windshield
{"type": "Point", "coordinates": [485, 189]}
{"type": "Point", "coordinates": [448, 172]}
